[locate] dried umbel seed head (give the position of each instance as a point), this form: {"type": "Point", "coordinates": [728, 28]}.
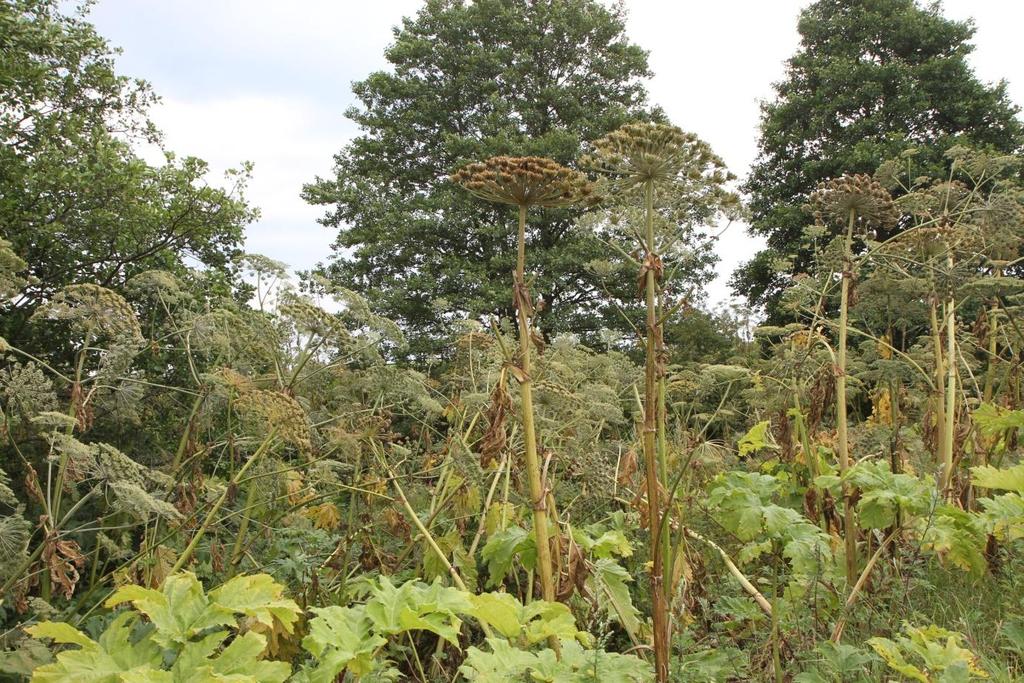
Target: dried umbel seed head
{"type": "Point", "coordinates": [947, 215]}
{"type": "Point", "coordinates": [871, 204]}
{"type": "Point", "coordinates": [1002, 228]}
{"type": "Point", "coordinates": [525, 181]}
{"type": "Point", "coordinates": [264, 410]}
{"type": "Point", "coordinates": [654, 152]}
{"type": "Point", "coordinates": [95, 308]}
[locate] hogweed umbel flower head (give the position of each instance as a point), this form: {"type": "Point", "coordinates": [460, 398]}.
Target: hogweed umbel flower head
{"type": "Point", "coordinates": [89, 306]}
{"type": "Point", "coordinates": [525, 181]}
{"type": "Point", "coordinates": [638, 153]}
{"type": "Point", "coordinates": [834, 199]}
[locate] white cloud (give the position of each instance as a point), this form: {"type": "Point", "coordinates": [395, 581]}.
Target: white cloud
{"type": "Point", "coordinates": [289, 141]}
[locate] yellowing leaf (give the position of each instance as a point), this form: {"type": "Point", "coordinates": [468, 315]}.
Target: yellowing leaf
{"type": "Point", "coordinates": [60, 633]}
{"type": "Point", "coordinates": [325, 516]}
{"type": "Point", "coordinates": [1009, 479]}
{"type": "Point", "coordinates": [293, 487]}
{"type": "Point", "coordinates": [257, 596]}
{"type": "Point", "coordinates": [755, 439]}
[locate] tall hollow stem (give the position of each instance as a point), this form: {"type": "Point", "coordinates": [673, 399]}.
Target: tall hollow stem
{"type": "Point", "coordinates": [993, 347]}
{"type": "Point", "coordinates": [650, 430]}
{"type": "Point", "coordinates": [949, 433]}
{"type": "Point", "coordinates": [849, 525]}
{"type": "Point", "coordinates": [940, 382]}
{"type": "Point", "coordinates": [538, 495]}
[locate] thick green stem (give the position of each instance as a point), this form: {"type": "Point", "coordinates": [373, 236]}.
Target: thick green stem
{"type": "Point", "coordinates": [243, 529]}
{"type": "Point", "coordinates": [993, 359]}
{"type": "Point", "coordinates": [776, 644]}
{"type": "Point", "coordinates": [940, 383]}
{"type": "Point", "coordinates": [949, 433]}
{"type": "Point", "coordinates": [849, 525]}
{"type": "Point", "coordinates": [666, 546]}
{"type": "Point", "coordinates": [993, 351]}
{"type": "Point", "coordinates": [186, 434]}
{"type": "Point", "coordinates": [659, 605]}
{"type": "Point", "coordinates": [538, 496]}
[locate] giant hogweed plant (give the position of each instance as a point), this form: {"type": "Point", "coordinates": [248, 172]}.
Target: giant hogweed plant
{"type": "Point", "coordinates": [640, 161]}
{"type": "Point", "coordinates": [303, 450]}
{"type": "Point", "coordinates": [193, 514]}
{"type": "Point", "coordinates": [528, 182]}
{"type": "Point", "coordinates": [863, 204]}
{"type": "Point", "coordinates": [890, 507]}
{"type": "Point", "coordinates": [966, 228]}
{"type": "Point", "coordinates": [948, 217]}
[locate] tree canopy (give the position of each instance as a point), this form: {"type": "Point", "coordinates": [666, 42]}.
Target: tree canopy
{"type": "Point", "coordinates": [870, 79]}
{"type": "Point", "coordinates": [470, 80]}
{"type": "Point", "coordinates": [77, 202]}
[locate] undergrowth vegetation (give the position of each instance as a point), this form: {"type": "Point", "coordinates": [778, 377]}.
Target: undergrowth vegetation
{"type": "Point", "coordinates": [226, 478]}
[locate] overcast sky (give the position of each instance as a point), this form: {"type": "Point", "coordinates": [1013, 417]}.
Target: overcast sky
{"type": "Point", "coordinates": [268, 81]}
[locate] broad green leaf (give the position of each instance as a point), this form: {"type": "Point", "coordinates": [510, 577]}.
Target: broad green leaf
{"type": "Point", "coordinates": [417, 606]}
{"type": "Point", "coordinates": [609, 581]}
{"type": "Point", "coordinates": [755, 439]}
{"type": "Point", "coordinates": [890, 653]}
{"type": "Point", "coordinates": [502, 664]}
{"type": "Point", "coordinates": [341, 639]}
{"type": "Point", "coordinates": [502, 548]}
{"type": "Point", "coordinates": [957, 672]}
{"type": "Point", "coordinates": [96, 661]}
{"type": "Point", "coordinates": [1004, 516]}
{"type": "Point", "coordinates": [956, 537]}
{"type": "Point", "coordinates": [544, 620]}
{"type": "Point", "coordinates": [196, 655]}
{"type": "Point", "coordinates": [751, 551]}
{"type": "Point", "coordinates": [578, 664]}
{"type": "Point", "coordinates": [500, 611]}
{"type": "Point", "coordinates": [604, 544]}
{"type": "Point", "coordinates": [242, 659]}
{"type": "Point", "coordinates": [180, 610]}
{"type": "Point", "coordinates": [939, 650]}
{"type": "Point", "coordinates": [993, 420]}
{"type": "Point", "coordinates": [156, 676]}
{"type": "Point", "coordinates": [258, 596]}
{"type": "Point", "coordinates": [506, 663]}
{"type": "Point", "coordinates": [534, 622]}
{"type": "Point", "coordinates": [778, 519]}
{"type": "Point", "coordinates": [883, 494]}
{"type": "Point", "coordinates": [1009, 479]}
{"type": "Point", "coordinates": [116, 640]}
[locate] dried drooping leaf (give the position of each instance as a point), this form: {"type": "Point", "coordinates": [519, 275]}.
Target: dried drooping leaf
{"type": "Point", "coordinates": [293, 486]}
{"type": "Point", "coordinates": [575, 576]}
{"type": "Point", "coordinates": [626, 468]}
{"type": "Point", "coordinates": [63, 559]}
{"type": "Point", "coordinates": [495, 439]}
{"type": "Point", "coordinates": [325, 516]}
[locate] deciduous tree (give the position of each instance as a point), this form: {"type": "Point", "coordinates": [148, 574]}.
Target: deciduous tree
{"type": "Point", "coordinates": [871, 77]}
{"type": "Point", "coordinates": [470, 80]}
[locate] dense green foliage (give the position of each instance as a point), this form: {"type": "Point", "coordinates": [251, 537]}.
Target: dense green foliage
{"type": "Point", "coordinates": [205, 478]}
{"type": "Point", "coordinates": [78, 204]}
{"type": "Point", "coordinates": [869, 80]}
